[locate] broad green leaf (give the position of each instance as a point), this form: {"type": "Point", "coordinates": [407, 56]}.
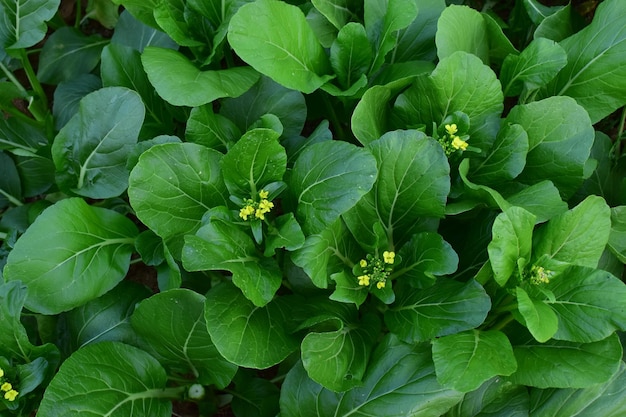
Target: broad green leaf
{"type": "Point", "coordinates": [68, 94]}
{"type": "Point", "coordinates": [284, 233]}
{"type": "Point", "coordinates": [541, 199]}
{"type": "Point", "coordinates": [71, 254]}
{"type": "Point", "coordinates": [499, 44]}
{"type": "Point", "coordinates": [557, 26]}
{"type": "Point", "coordinates": [511, 242]}
{"type": "Point", "coordinates": [617, 237]}
{"type": "Point", "coordinates": [606, 400]}
{"type": "Point", "coordinates": [23, 22]}
{"type": "Point", "coordinates": [255, 161]}
{"type": "Point", "coordinates": [282, 46]}
{"type": "Point", "coordinates": [338, 359]}
{"type": "Point", "coordinates": [209, 129]}
{"type": "Point", "coordinates": [14, 341]}
{"type": "Point", "coordinates": [172, 186]}
{"type": "Point", "coordinates": [104, 11]}
{"type": "Point", "coordinates": [464, 361]}
{"type": "Point", "coordinates": [108, 379]}
{"type": "Point", "coordinates": [106, 318]}
{"type": "Point", "coordinates": [247, 335]}
{"type": "Point", "coordinates": [350, 54]}
{"type": "Point", "coordinates": [505, 160]}
{"type": "Point", "coordinates": [424, 257]}
{"type": "Point", "coordinates": [540, 319]}
{"type": "Point", "coordinates": [254, 396]}
{"type": "Point", "coordinates": [325, 31]}
{"type": "Point", "coordinates": [537, 11]}
{"type": "Point", "coordinates": [17, 135]}
{"type": "Point", "coordinates": [121, 66]}
{"type": "Point", "coordinates": [589, 304]}
{"type": "Point", "coordinates": [267, 97]}
{"type": "Point", "coordinates": [596, 63]}
{"type": "Point", "coordinates": [328, 179]}
{"type": "Point", "coordinates": [577, 236]}
{"type": "Point", "coordinates": [222, 245]}
{"type": "Point", "coordinates": [461, 28]}
{"type": "Point", "coordinates": [67, 54]}
{"type": "Point", "coordinates": [413, 182]}
{"type": "Point", "coordinates": [180, 83]}
{"type": "Point", "coordinates": [557, 364]}
{"type": "Point", "coordinates": [461, 82]}
{"type": "Point", "coordinates": [560, 136]}
{"type": "Point", "coordinates": [447, 307]}
{"type": "Point", "coordinates": [90, 151]}
{"type": "Point", "coordinates": [535, 67]}
{"type": "Point", "coordinates": [383, 20]}
{"type": "Point", "coordinates": [173, 16]}
{"type": "Point", "coordinates": [347, 289]}
{"type": "Point", "coordinates": [494, 398]}
{"type": "Point", "coordinates": [171, 324]}
{"type": "Point", "coordinates": [336, 11]}
{"type": "Point", "coordinates": [417, 41]}
{"type": "Point", "coordinates": [142, 10]}
{"type": "Point", "coordinates": [143, 145]}
{"type": "Point", "coordinates": [605, 180]}
{"type": "Point", "coordinates": [10, 184]}
{"type": "Point", "coordinates": [400, 381]}
{"type": "Point", "coordinates": [322, 254]}
{"type": "Point", "coordinates": [131, 32]}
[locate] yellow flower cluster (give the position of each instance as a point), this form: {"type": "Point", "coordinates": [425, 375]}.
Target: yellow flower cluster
{"type": "Point", "coordinates": [375, 269]}
{"type": "Point", "coordinates": [258, 209]}
{"type": "Point", "coordinates": [9, 392]}
{"type": "Point", "coordinates": [452, 142]}
{"type": "Point", "coordinates": [539, 275]}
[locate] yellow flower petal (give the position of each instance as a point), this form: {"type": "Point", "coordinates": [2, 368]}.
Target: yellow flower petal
{"type": "Point", "coordinates": [11, 395]}
{"type": "Point", "coordinates": [389, 257]}
{"type": "Point", "coordinates": [451, 129]}
{"type": "Point", "coordinates": [364, 280]}
{"type": "Point", "coordinates": [263, 194]}
{"type": "Point", "coordinates": [380, 285]}
{"type": "Point", "coordinates": [458, 143]}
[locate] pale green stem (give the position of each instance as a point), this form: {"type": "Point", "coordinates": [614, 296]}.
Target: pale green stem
{"type": "Point", "coordinates": [11, 199]}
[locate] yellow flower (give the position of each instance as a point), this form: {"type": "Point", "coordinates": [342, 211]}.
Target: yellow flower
{"type": "Point", "coordinates": [263, 194]}
{"type": "Point", "coordinates": [364, 280]}
{"type": "Point", "coordinates": [1, 372]}
{"type": "Point", "coordinates": [389, 257]}
{"type": "Point", "coordinates": [451, 129]}
{"type": "Point", "coordinates": [260, 214]}
{"type": "Point", "coordinates": [458, 143]}
{"type": "Point", "coordinates": [10, 395]}
{"type": "Point", "coordinates": [380, 285]}
{"type": "Point", "coordinates": [246, 211]}
{"type": "Point", "coordinates": [363, 263]}
{"type": "Point", "coordinates": [6, 387]}
{"type": "Point", "coordinates": [266, 206]}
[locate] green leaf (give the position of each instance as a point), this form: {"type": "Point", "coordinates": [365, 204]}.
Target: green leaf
{"type": "Point", "coordinates": [67, 54]}
{"type": "Point", "coordinates": [172, 186]}
{"type": "Point", "coordinates": [446, 308]}
{"type": "Point", "coordinates": [558, 26]}
{"type": "Point", "coordinates": [172, 326]}
{"type": "Point", "coordinates": [10, 184]}
{"type": "Point", "coordinates": [589, 304]}
{"type": "Point", "coordinates": [461, 82]}
{"type": "Point", "coordinates": [131, 32]}
{"type": "Point", "coordinates": [267, 97]}
{"type": "Point", "coordinates": [425, 257]}
{"type": "Point", "coordinates": [541, 199]}
{"type": "Point", "coordinates": [247, 335]}
{"type": "Point", "coordinates": [328, 179]}
{"type": "Point", "coordinates": [347, 289]}
{"type": "Point", "coordinates": [23, 22]}
{"type": "Point", "coordinates": [71, 254]}
{"type": "Point", "coordinates": [461, 28]}
{"type": "Point", "coordinates": [124, 380]}
{"type": "Point", "coordinates": [284, 233]}
{"type": "Point", "coordinates": [537, 11]}
{"type": "Point", "coordinates": [511, 242]}
{"type": "Point", "coordinates": [534, 68]}
{"type": "Point", "coordinates": [282, 46]}
{"type": "Point", "coordinates": [68, 94]}
{"type": "Point", "coordinates": [106, 318]}
{"type": "Point", "coordinates": [399, 381]}
{"type": "Point", "coordinates": [254, 397]}
{"type": "Point", "coordinates": [17, 135]}
{"type": "Point", "coordinates": [214, 131]}
{"type": "Point", "coordinates": [336, 11]}
{"type": "Point", "coordinates": [222, 245]}
{"type": "Point", "coordinates": [606, 400]}
{"type": "Point", "coordinates": [540, 319]}
{"type": "Point", "coordinates": [104, 11]}
{"type": "Point", "coordinates": [617, 237]}
{"type": "Point", "coordinates": [351, 54]}
{"type": "Point", "coordinates": [596, 65]}
{"type": "Point", "coordinates": [14, 341]}
{"type": "Point", "coordinates": [505, 160]}
{"type": "Point", "coordinates": [577, 236]}
{"type": "Point", "coordinates": [255, 161]}
{"type": "Point", "coordinates": [180, 83]}
{"type": "Point", "coordinates": [494, 398]}
{"type": "Point", "coordinates": [383, 20]}
{"type": "Point", "coordinates": [174, 17]}
{"type": "Point", "coordinates": [338, 359]}
{"type": "Point", "coordinates": [464, 361]}
{"type": "Point", "coordinates": [413, 182]}
{"type": "Point", "coordinates": [417, 41]}
{"type": "Point", "coordinates": [560, 136]}
{"type": "Point", "coordinates": [558, 364]}
{"type": "Point", "coordinates": [90, 151]}
{"type": "Point", "coordinates": [142, 10]}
